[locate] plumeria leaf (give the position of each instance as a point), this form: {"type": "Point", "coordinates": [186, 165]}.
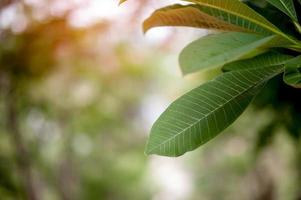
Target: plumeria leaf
{"type": "Point", "coordinates": [201, 114]}
{"type": "Point", "coordinates": [286, 6]}
{"type": "Point", "coordinates": [292, 75]}
{"type": "Point", "coordinates": [267, 59]}
{"type": "Point", "coordinates": [237, 13]}
{"type": "Point", "coordinates": [187, 15]}
{"type": "Point", "coordinates": [217, 50]}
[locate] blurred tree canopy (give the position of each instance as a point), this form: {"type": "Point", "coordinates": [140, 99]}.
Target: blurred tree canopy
{"type": "Point", "coordinates": [68, 96]}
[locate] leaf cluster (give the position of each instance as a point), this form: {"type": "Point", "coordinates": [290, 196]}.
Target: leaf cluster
{"type": "Point", "coordinates": [251, 48]}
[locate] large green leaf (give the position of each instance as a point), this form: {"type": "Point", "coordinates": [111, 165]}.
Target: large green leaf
{"type": "Point", "coordinates": [237, 13]}
{"type": "Point", "coordinates": [292, 75]}
{"type": "Point", "coordinates": [264, 60]}
{"type": "Point", "coordinates": [187, 15]}
{"type": "Point", "coordinates": [219, 49]}
{"type": "Point", "coordinates": [204, 112]}
{"type": "Point", "coordinates": [286, 6]}
{"type": "Point", "coordinates": [231, 12]}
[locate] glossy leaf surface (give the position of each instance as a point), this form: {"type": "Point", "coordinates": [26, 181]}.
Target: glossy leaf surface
{"type": "Point", "coordinates": [260, 61]}
{"type": "Point", "coordinates": [201, 114]}
{"type": "Point", "coordinates": [217, 50]}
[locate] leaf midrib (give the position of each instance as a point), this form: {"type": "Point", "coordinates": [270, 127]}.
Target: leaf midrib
{"type": "Point", "coordinates": [284, 5]}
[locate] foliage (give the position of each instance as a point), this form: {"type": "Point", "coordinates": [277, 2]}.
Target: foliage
{"type": "Point", "coordinates": [72, 86]}
{"type": "Point", "coordinates": [251, 52]}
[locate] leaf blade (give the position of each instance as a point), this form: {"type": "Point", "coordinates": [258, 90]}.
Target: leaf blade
{"type": "Point", "coordinates": [238, 13]}
{"type": "Point", "coordinates": [263, 60]}
{"type": "Point", "coordinates": [286, 6]}
{"type": "Point", "coordinates": [186, 15]}
{"type": "Point", "coordinates": [204, 112]}
{"type": "Point", "coordinates": [217, 50]}
{"type": "Point", "coordinates": [236, 8]}
{"type": "Point", "coordinates": [292, 73]}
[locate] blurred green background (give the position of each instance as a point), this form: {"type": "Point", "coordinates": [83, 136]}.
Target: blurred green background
{"type": "Point", "coordinates": [80, 88]}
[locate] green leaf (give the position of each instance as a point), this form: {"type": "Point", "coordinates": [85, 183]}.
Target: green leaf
{"type": "Point", "coordinates": [201, 114]}
{"type": "Point", "coordinates": [187, 15]}
{"type": "Point", "coordinates": [286, 6]}
{"type": "Point", "coordinates": [219, 49]}
{"type": "Point", "coordinates": [237, 13]}
{"type": "Point", "coordinates": [264, 60]}
{"type": "Point", "coordinates": [292, 75]}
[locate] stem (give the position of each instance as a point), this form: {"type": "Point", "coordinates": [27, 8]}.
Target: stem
{"type": "Point", "coordinates": [17, 140]}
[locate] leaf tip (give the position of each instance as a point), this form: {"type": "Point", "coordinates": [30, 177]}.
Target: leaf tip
{"type": "Point", "coordinates": [146, 27]}
{"type": "Point", "coordinates": [121, 2]}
